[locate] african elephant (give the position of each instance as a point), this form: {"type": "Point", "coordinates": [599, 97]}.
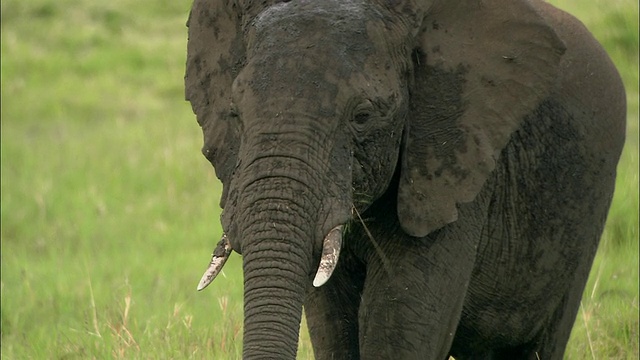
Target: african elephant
{"type": "Point", "coordinates": [425, 178]}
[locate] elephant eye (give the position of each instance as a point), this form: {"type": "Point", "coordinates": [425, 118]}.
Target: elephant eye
{"type": "Point", "coordinates": [363, 112]}
{"type": "Point", "coordinates": [361, 118]}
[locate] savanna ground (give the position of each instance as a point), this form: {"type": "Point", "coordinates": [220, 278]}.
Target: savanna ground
{"type": "Point", "coordinates": [109, 212]}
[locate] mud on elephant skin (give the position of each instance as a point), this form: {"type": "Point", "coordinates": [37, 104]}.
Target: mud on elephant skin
{"type": "Point", "coordinates": [425, 178]}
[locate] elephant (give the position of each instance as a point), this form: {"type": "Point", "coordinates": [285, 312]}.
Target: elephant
{"type": "Point", "coordinates": [423, 178]}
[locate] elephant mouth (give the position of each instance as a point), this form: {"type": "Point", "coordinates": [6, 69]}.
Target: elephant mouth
{"type": "Point", "coordinates": [331, 246]}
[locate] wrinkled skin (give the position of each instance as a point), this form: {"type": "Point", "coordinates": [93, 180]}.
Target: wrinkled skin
{"type": "Point", "coordinates": [469, 148]}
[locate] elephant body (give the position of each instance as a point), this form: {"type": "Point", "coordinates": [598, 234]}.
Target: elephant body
{"type": "Point", "coordinates": [466, 152]}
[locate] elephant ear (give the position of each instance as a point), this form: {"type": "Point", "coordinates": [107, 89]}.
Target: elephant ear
{"type": "Point", "coordinates": [215, 56]}
{"type": "Point", "coordinates": [479, 68]}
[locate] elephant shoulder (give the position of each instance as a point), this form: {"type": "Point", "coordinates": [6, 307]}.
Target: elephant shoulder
{"type": "Point", "coordinates": [590, 87]}
{"type": "Point", "coordinates": [585, 64]}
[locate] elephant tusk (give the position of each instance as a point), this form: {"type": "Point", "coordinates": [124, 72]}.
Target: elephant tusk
{"type": "Point", "coordinates": [330, 253]}
{"type": "Point", "coordinates": [218, 258]}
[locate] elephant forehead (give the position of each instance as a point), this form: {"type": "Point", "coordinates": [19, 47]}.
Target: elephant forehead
{"type": "Point", "coordinates": [329, 50]}
{"type": "Point", "coordinates": [300, 42]}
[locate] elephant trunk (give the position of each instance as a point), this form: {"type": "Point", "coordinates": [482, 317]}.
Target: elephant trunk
{"type": "Point", "coordinates": [276, 272]}
{"type": "Point", "coordinates": [280, 218]}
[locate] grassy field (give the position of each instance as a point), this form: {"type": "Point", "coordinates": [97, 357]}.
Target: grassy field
{"type": "Point", "coordinates": [109, 212]}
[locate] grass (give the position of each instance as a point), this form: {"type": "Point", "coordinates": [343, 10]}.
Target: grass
{"type": "Point", "coordinates": [108, 210]}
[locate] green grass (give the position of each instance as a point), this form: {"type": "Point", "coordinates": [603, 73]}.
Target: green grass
{"type": "Point", "coordinates": [108, 210]}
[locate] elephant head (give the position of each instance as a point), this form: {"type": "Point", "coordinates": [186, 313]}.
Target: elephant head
{"type": "Point", "coordinates": [310, 109]}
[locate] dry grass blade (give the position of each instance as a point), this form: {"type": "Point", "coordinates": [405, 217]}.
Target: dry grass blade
{"type": "Point", "coordinates": [381, 255]}
{"type": "Point", "coordinates": [94, 313]}
{"type": "Point", "coordinates": [586, 328]}
{"type": "Point", "coordinates": [122, 333]}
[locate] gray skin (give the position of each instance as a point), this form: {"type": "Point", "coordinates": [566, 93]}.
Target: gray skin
{"type": "Point", "coordinates": [470, 148]}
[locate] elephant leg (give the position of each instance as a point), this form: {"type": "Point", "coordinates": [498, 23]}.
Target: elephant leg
{"type": "Point", "coordinates": [555, 336]}
{"type": "Point", "coordinates": [414, 294]}
{"type": "Point", "coordinates": [550, 344]}
{"type": "Point", "coordinates": [332, 312]}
